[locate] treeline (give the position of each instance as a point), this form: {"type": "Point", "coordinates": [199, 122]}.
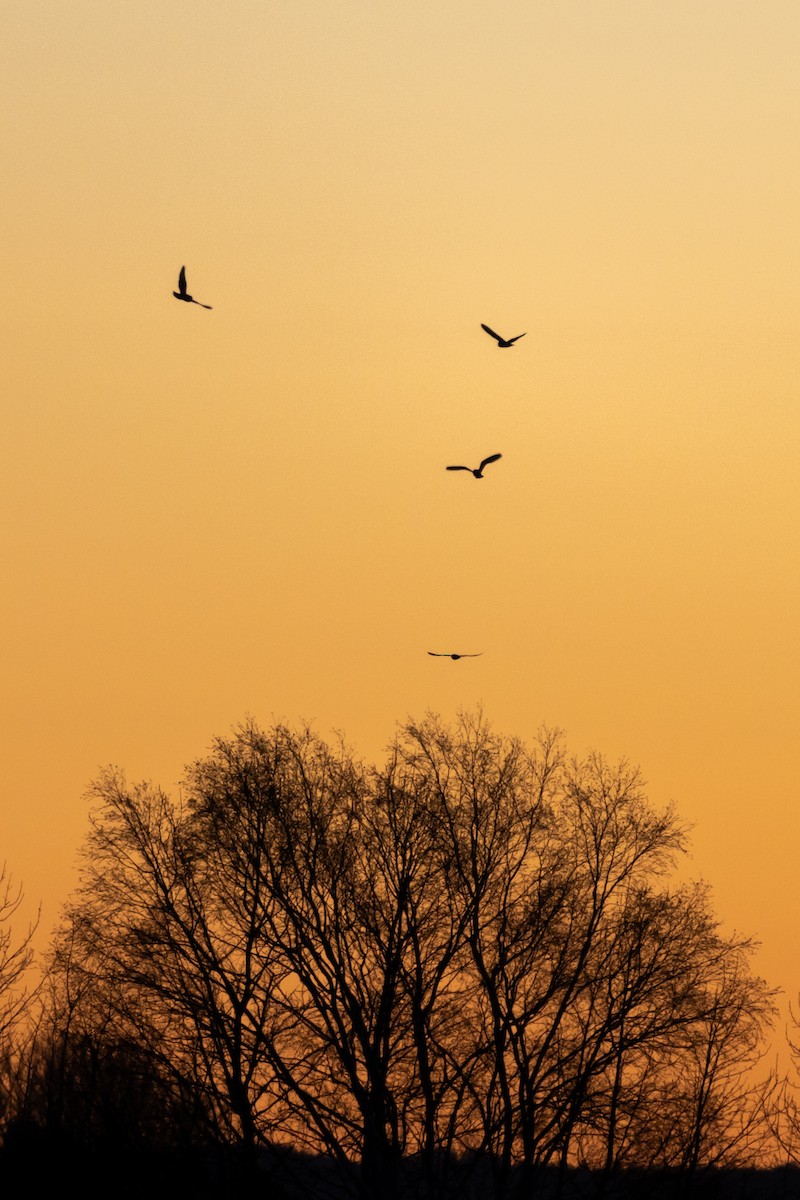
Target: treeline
{"type": "Point", "coordinates": [471, 956]}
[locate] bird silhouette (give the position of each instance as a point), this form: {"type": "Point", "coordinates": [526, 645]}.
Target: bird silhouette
{"type": "Point", "coordinates": [477, 471]}
{"type": "Point", "coordinates": [434, 654]}
{"type": "Point", "coordinates": [183, 294]}
{"type": "Point", "coordinates": [502, 342]}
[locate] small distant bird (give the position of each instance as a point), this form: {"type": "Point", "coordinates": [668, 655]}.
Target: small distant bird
{"type": "Point", "coordinates": [502, 342]}
{"type": "Point", "coordinates": [183, 294]}
{"type": "Point", "coordinates": [477, 471]}
{"type": "Point", "coordinates": [434, 654]}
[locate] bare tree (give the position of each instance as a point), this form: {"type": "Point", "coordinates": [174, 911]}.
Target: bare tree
{"type": "Point", "coordinates": [470, 951]}
{"type": "Point", "coordinates": [594, 987]}
{"type": "Point", "coordinates": [161, 943]}
{"type": "Point", "coordinates": [681, 1023]}
{"type": "Point", "coordinates": [16, 958]}
{"type": "Point", "coordinates": [784, 1114]}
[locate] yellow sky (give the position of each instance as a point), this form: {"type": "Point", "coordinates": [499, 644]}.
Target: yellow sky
{"type": "Point", "coordinates": [210, 515]}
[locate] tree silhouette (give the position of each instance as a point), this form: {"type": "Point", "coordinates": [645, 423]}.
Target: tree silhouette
{"type": "Point", "coordinates": [16, 959]}
{"type": "Point", "coordinates": [468, 954]}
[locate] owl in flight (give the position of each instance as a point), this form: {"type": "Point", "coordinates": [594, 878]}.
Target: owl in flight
{"type": "Point", "coordinates": [433, 654]}
{"type": "Point", "coordinates": [182, 294]}
{"type": "Point", "coordinates": [502, 342]}
{"type": "Point", "coordinates": [477, 471]}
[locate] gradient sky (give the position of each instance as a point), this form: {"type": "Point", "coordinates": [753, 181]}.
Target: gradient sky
{"type": "Point", "coordinates": [207, 516]}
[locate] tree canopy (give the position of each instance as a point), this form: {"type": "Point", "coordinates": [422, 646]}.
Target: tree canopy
{"type": "Point", "coordinates": [473, 951]}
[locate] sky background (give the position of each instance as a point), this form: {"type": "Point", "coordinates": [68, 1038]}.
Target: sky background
{"type": "Point", "coordinates": [210, 516]}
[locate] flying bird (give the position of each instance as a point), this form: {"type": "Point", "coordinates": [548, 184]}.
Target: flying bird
{"type": "Point", "coordinates": [477, 471]}
{"type": "Point", "coordinates": [434, 654]}
{"type": "Point", "coordinates": [183, 294]}
{"type": "Point", "coordinates": [502, 342]}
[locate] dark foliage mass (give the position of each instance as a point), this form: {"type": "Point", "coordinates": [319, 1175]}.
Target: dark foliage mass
{"type": "Point", "coordinates": [465, 972]}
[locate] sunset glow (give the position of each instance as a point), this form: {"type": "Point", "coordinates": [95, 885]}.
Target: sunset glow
{"type": "Point", "coordinates": [246, 512]}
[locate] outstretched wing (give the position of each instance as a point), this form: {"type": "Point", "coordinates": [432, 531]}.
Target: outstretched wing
{"type": "Point", "coordinates": [458, 468]}
{"type": "Point", "coordinates": [470, 655]}
{"type": "Point", "coordinates": [491, 458]}
{"type": "Point", "coordinates": [515, 339]}
{"type": "Point", "coordinates": [491, 333]}
{"type": "Point", "coordinates": [182, 281]}
{"type": "Point", "coordinates": [434, 654]}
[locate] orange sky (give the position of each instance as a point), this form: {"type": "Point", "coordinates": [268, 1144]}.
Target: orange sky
{"type": "Point", "coordinates": [210, 515]}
